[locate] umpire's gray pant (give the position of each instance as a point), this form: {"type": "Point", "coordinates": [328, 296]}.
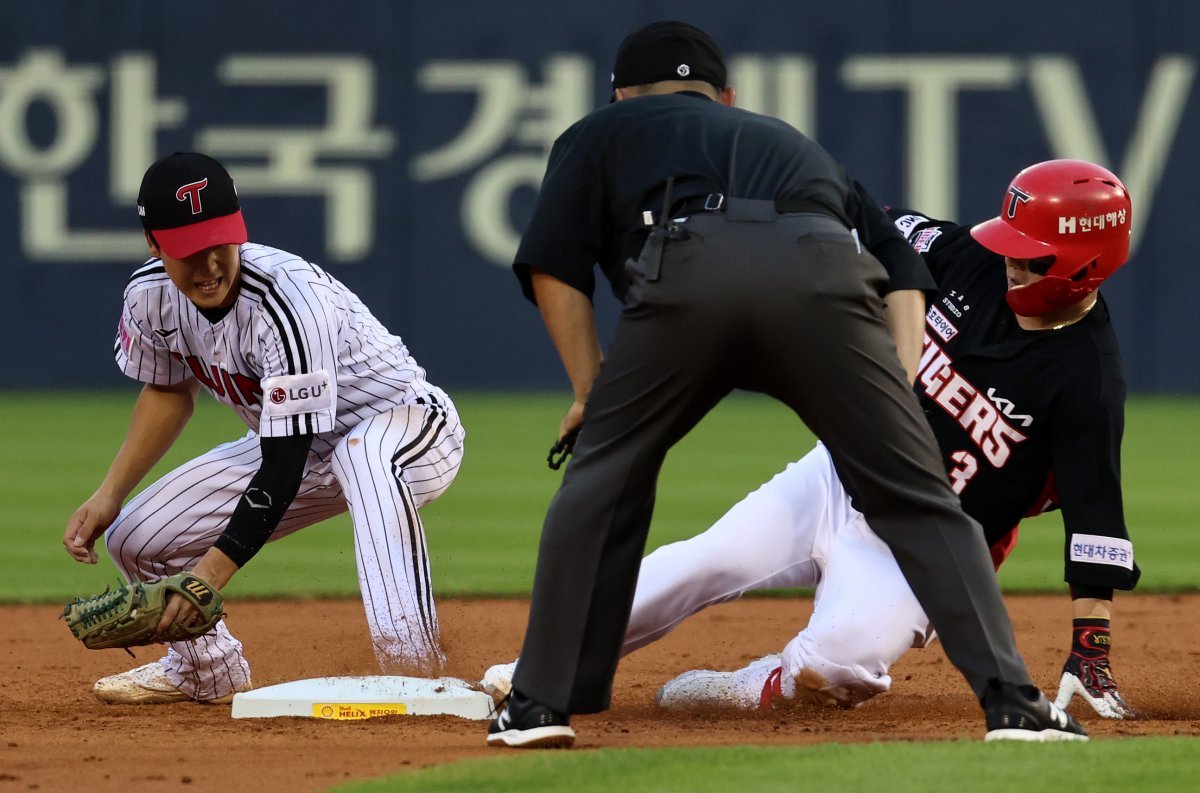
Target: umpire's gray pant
{"type": "Point", "coordinates": [789, 308]}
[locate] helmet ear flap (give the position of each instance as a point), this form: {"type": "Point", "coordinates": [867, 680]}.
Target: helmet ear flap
{"type": "Point", "coordinates": [1083, 271]}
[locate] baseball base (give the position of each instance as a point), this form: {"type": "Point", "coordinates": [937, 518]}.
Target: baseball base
{"type": "Point", "coordinates": [353, 698]}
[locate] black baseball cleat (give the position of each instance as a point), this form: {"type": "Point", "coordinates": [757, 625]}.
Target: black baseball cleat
{"type": "Point", "coordinates": [1021, 713]}
{"type": "Point", "coordinates": [525, 724]}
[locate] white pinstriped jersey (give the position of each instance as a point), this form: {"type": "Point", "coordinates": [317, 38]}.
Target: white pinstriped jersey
{"type": "Point", "coordinates": [298, 352]}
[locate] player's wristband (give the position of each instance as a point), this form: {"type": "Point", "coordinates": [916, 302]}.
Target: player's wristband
{"type": "Point", "coordinates": [1091, 638]}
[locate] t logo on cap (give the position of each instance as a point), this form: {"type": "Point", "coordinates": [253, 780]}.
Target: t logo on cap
{"type": "Point", "coordinates": [188, 203]}
{"type": "Point", "coordinates": [190, 192]}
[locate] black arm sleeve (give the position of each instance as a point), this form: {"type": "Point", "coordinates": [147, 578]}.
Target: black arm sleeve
{"type": "Point", "coordinates": [941, 243]}
{"type": "Point", "coordinates": [905, 267]}
{"type": "Point", "coordinates": [267, 497]}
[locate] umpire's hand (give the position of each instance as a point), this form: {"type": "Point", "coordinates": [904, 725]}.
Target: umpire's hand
{"type": "Point", "coordinates": [572, 421]}
{"type": "Point", "coordinates": [568, 431]}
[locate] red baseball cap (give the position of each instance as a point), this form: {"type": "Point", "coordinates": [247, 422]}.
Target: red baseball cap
{"type": "Point", "coordinates": [188, 202]}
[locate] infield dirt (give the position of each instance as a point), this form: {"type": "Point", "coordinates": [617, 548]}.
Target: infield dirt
{"type": "Point", "coordinates": [54, 736]}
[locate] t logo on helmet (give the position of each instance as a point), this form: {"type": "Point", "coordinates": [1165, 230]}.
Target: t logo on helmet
{"type": "Point", "coordinates": [1019, 196]}
{"type": "Point", "coordinates": [190, 192]}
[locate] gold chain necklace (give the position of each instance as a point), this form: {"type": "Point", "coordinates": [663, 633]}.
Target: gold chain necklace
{"type": "Point", "coordinates": [1075, 318]}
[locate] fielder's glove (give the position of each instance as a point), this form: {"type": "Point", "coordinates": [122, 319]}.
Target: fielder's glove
{"type": "Point", "coordinates": [128, 616]}
{"type": "Point", "coordinates": [1088, 674]}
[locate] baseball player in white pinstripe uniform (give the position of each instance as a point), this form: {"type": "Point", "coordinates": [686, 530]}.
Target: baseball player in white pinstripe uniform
{"type": "Point", "coordinates": [340, 416]}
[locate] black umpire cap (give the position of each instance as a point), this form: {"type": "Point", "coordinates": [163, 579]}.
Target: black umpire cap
{"type": "Point", "coordinates": [668, 50]}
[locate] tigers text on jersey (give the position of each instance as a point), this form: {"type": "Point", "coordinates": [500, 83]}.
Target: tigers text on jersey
{"type": "Point", "coordinates": [1026, 420]}
{"type": "Point", "coordinates": [298, 353]}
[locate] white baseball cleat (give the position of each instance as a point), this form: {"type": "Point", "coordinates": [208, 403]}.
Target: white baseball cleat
{"type": "Point", "coordinates": [497, 680]}
{"type": "Point", "coordinates": [149, 685]}
{"type": "Point", "coordinates": [756, 686]}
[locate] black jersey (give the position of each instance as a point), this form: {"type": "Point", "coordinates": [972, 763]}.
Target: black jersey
{"type": "Point", "coordinates": [1027, 421]}
{"type": "Point", "coordinates": [608, 173]}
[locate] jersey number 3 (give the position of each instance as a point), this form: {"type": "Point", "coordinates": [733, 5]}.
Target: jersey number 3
{"type": "Point", "coordinates": [962, 473]}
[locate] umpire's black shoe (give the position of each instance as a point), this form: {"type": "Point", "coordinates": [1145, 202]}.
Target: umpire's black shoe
{"type": "Point", "coordinates": [526, 724]}
{"type": "Point", "coordinates": [1021, 713]}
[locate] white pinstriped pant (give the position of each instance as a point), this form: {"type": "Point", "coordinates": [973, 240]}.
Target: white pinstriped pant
{"type": "Point", "coordinates": [384, 470]}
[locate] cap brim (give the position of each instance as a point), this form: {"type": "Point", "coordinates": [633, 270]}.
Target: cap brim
{"type": "Point", "coordinates": [179, 243]}
{"type": "Point", "coordinates": [999, 237]}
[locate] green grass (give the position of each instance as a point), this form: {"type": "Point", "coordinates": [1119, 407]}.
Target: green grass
{"type": "Point", "coordinates": [483, 532]}
{"type": "Point", "coordinates": [483, 536]}
{"type": "Point", "coordinates": [1146, 765]}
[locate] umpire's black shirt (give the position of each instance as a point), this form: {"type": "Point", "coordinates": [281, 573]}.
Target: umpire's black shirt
{"type": "Point", "coordinates": [612, 166]}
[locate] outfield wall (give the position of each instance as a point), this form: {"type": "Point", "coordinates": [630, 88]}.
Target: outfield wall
{"type": "Point", "coordinates": [400, 144]}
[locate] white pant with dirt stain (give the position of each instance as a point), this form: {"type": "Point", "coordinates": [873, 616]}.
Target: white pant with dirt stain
{"type": "Point", "coordinates": [383, 471]}
{"type": "Point", "coordinates": [797, 530]}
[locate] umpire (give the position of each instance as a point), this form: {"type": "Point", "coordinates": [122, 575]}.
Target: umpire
{"type": "Point", "coordinates": [731, 238]}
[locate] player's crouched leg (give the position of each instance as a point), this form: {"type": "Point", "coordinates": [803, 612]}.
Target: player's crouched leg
{"type": "Point", "coordinates": [389, 466]}
{"type": "Point", "coordinates": [772, 680]}
{"type": "Point", "coordinates": [865, 618]}
{"type": "Point", "coordinates": [842, 657]}
{"type": "Point", "coordinates": [431, 465]}
{"type": "Point", "coordinates": [755, 686]}
{"type": "Point", "coordinates": [848, 682]}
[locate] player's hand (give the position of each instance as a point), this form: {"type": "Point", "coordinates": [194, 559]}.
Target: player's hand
{"type": "Point", "coordinates": [179, 611]}
{"type": "Point", "coordinates": [1093, 681]}
{"type": "Point", "coordinates": [215, 569]}
{"type": "Point", "coordinates": [87, 524]}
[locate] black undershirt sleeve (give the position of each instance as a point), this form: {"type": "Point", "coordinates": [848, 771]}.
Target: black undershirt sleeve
{"type": "Point", "coordinates": [905, 267]}
{"type": "Point", "coordinates": [1085, 591]}
{"type": "Point", "coordinates": [267, 497]}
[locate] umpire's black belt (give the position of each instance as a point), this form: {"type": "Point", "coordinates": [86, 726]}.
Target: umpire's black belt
{"type": "Point", "coordinates": [747, 209]}
{"type": "Point", "coordinates": [713, 202]}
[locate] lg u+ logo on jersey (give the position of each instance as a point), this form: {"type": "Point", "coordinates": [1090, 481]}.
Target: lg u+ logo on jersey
{"type": "Point", "coordinates": [280, 395]}
{"type": "Point", "coordinates": [296, 394]}
{"type": "Point", "coordinates": [190, 192]}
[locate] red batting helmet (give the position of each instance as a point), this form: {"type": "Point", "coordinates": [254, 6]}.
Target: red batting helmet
{"type": "Point", "coordinates": [1073, 210]}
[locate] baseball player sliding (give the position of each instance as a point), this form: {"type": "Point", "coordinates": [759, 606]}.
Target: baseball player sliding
{"type": "Point", "coordinates": [340, 416]}
{"type": "Point", "coordinates": [1021, 380]}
